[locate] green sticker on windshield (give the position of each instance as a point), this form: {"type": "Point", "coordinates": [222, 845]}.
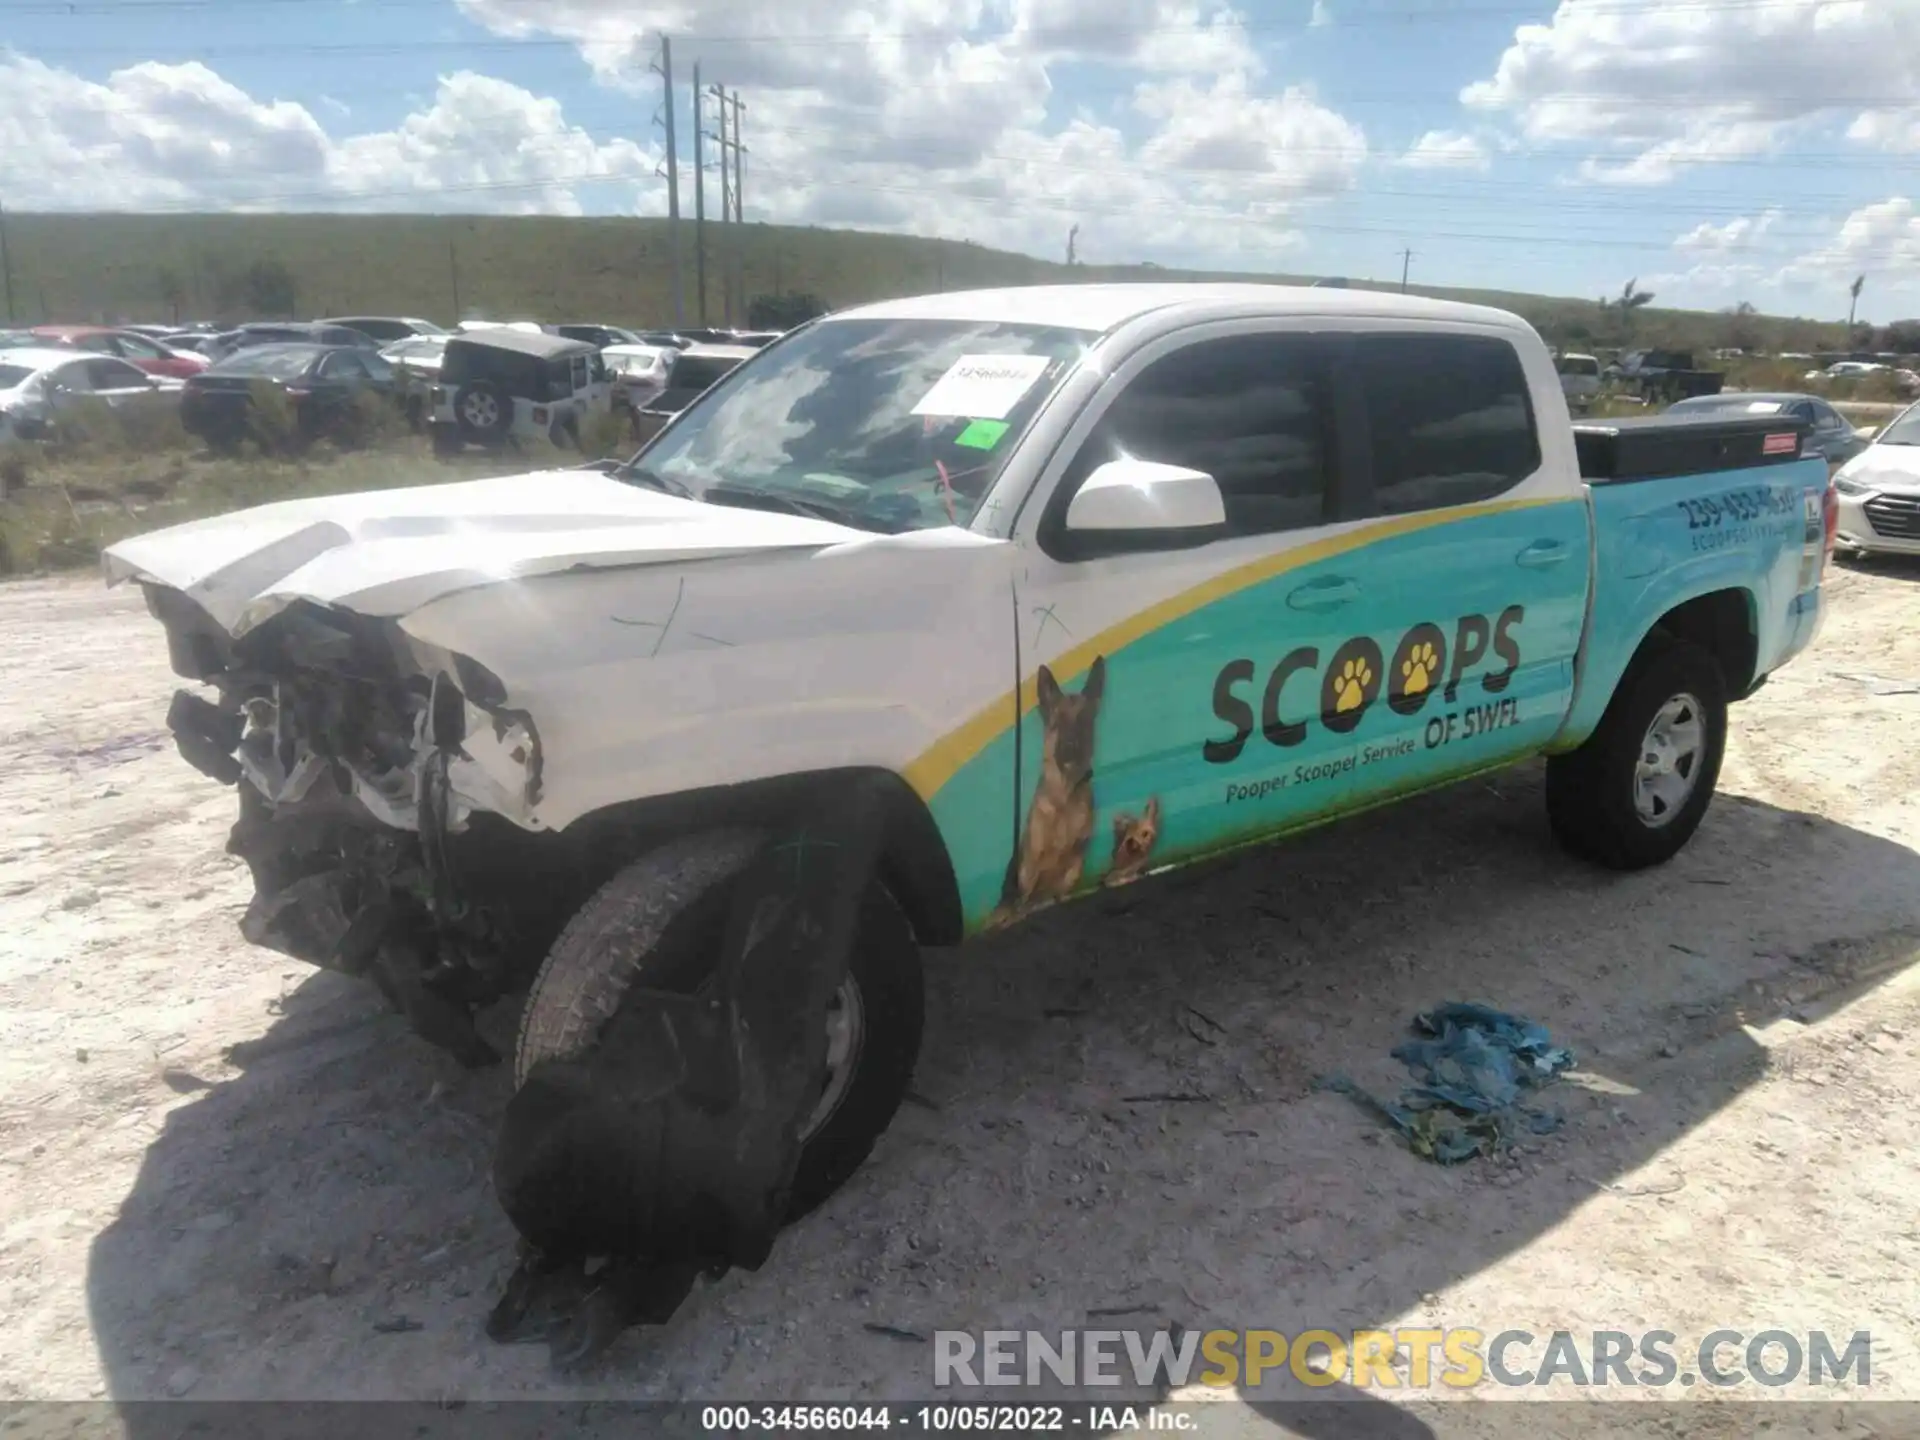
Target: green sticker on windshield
{"type": "Point", "coordinates": [982, 434]}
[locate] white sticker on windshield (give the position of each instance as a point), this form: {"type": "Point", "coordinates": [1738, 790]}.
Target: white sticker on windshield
{"type": "Point", "coordinates": [983, 387]}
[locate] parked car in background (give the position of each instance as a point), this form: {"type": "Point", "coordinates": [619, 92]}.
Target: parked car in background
{"type": "Point", "coordinates": [287, 333]}
{"type": "Point", "coordinates": [690, 374]}
{"type": "Point", "coordinates": [386, 328]}
{"type": "Point", "coordinates": [1845, 370]}
{"type": "Point", "coordinates": [1879, 491]}
{"type": "Point", "coordinates": [1664, 375]}
{"type": "Point", "coordinates": [498, 386]}
{"type": "Point", "coordinates": [599, 335]}
{"type": "Point", "coordinates": [36, 385]}
{"type": "Point", "coordinates": [136, 349]}
{"type": "Point", "coordinates": [419, 354]}
{"type": "Point", "coordinates": [637, 372]}
{"type": "Point", "coordinates": [319, 382]}
{"type": "Point", "coordinates": [670, 338]}
{"type": "Point", "coordinates": [1579, 377]}
{"type": "Point", "coordinates": [1832, 436]}
{"type": "Point", "coordinates": [529, 327]}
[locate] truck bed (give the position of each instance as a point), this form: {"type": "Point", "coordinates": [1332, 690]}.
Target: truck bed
{"type": "Point", "coordinates": [1656, 447]}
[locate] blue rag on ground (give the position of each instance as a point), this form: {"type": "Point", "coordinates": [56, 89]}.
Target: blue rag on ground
{"type": "Point", "coordinates": [1471, 1067]}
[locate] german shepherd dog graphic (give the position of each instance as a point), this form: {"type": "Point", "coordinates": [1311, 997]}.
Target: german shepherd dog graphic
{"type": "Point", "coordinates": [1133, 841]}
{"type": "Point", "coordinates": [1051, 855]}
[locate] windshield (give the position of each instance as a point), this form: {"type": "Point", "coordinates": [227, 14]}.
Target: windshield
{"type": "Point", "coordinates": [14, 375]}
{"type": "Point", "coordinates": [1905, 429]}
{"type": "Point", "coordinates": [697, 372]}
{"type": "Point", "coordinates": [279, 361]}
{"type": "Point", "coordinates": [888, 424]}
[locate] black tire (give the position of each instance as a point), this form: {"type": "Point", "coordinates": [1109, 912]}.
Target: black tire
{"type": "Point", "coordinates": [1591, 791]}
{"type": "Point", "coordinates": [483, 411]}
{"type": "Point", "coordinates": [659, 919]}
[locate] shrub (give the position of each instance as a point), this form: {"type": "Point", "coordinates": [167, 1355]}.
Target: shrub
{"type": "Point", "coordinates": [604, 433]}
{"type": "Point", "coordinates": [272, 420]}
{"type": "Point", "coordinates": [13, 469]}
{"type": "Point", "coordinates": [366, 419]}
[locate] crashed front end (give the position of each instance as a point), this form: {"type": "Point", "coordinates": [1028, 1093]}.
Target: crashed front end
{"type": "Point", "coordinates": [383, 790]}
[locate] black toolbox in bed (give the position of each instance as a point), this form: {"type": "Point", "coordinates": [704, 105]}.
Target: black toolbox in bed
{"type": "Point", "coordinates": [1655, 446]}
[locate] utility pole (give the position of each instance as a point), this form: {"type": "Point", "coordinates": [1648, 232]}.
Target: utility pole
{"type": "Point", "coordinates": [699, 204]}
{"type": "Point", "coordinates": [665, 71]}
{"type": "Point", "coordinates": [739, 207]}
{"type": "Point", "coordinates": [719, 93]}
{"type": "Point", "coordinates": [6, 263]}
{"type": "Point", "coordinates": [1406, 263]}
{"type": "Point", "coordinates": [1073, 245]}
{"type": "Point", "coordinates": [453, 273]}
{"type": "Point", "coordinates": [732, 158]}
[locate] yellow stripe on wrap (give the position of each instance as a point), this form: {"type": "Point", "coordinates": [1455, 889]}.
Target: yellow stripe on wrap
{"type": "Point", "coordinates": [942, 760]}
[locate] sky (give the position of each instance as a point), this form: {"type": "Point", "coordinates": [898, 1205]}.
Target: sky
{"type": "Point", "coordinates": [1717, 151]}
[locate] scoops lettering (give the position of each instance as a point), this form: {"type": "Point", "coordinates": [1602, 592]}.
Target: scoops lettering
{"type": "Point", "coordinates": [1352, 680]}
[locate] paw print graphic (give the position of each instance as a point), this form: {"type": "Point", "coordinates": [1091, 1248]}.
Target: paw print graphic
{"type": "Point", "coordinates": [1350, 688]}
{"type": "Point", "coordinates": [1416, 671]}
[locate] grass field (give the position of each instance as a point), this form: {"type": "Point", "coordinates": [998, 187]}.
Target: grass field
{"type": "Point", "coordinates": [616, 270]}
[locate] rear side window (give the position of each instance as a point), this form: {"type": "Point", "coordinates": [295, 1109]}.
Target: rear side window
{"type": "Point", "coordinates": [1250, 410]}
{"type": "Point", "coordinates": [1449, 419]}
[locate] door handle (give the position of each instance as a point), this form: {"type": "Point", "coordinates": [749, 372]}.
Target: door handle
{"type": "Point", "coordinates": [1541, 555]}
{"type": "Point", "coordinates": [1329, 592]}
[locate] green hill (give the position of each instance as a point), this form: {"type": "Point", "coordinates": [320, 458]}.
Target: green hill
{"type": "Point", "coordinates": [615, 270]}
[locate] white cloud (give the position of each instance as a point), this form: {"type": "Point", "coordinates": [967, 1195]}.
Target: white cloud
{"type": "Point", "coordinates": [929, 116]}
{"type": "Point", "coordinates": [1657, 89]}
{"type": "Point", "coordinates": [158, 136]}
{"type": "Point", "coordinates": [1742, 233]}
{"type": "Point", "coordinates": [1880, 241]}
{"type": "Point", "coordinates": [1322, 15]}
{"type": "Point", "coordinates": [1446, 150]}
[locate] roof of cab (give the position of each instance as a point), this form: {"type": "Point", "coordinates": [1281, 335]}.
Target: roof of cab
{"type": "Point", "coordinates": [1100, 308]}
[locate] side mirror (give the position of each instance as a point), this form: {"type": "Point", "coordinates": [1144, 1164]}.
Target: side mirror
{"type": "Point", "coordinates": [1866, 432]}
{"type": "Point", "coordinates": [1132, 496]}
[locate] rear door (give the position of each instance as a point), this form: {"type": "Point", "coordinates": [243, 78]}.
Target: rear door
{"type": "Point", "coordinates": [1477, 589]}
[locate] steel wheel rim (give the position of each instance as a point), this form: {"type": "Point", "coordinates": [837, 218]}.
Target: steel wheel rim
{"type": "Point", "coordinates": [1667, 769]}
{"type": "Point", "coordinates": [846, 1026]}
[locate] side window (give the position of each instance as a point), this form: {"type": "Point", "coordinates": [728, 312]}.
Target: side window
{"type": "Point", "coordinates": [1449, 419]}
{"type": "Point", "coordinates": [138, 348]}
{"type": "Point", "coordinates": [340, 366]}
{"type": "Point", "coordinates": [72, 378]}
{"type": "Point", "coordinates": [1827, 418]}
{"type": "Point", "coordinates": [1251, 410]}
{"type": "Point", "coordinates": [113, 375]}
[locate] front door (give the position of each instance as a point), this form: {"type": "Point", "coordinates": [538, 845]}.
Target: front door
{"type": "Point", "coordinates": [1176, 692]}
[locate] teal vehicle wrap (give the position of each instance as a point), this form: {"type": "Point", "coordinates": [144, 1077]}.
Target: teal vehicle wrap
{"type": "Point", "coordinates": [1660, 544]}
{"type": "Point", "coordinates": [1348, 672]}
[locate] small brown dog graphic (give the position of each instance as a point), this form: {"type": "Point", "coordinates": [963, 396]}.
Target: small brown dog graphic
{"type": "Point", "coordinates": [1053, 847]}
{"type": "Point", "coordinates": [1133, 841]}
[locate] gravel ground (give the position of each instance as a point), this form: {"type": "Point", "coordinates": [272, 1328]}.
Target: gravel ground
{"type": "Point", "coordinates": [225, 1176]}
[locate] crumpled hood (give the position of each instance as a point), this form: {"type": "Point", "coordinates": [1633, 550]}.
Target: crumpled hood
{"type": "Point", "coordinates": [388, 552]}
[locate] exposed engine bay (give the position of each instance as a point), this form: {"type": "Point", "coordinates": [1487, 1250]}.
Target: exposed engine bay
{"type": "Point", "coordinates": [361, 761]}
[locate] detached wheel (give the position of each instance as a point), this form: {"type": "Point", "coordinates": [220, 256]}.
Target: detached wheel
{"type": "Point", "coordinates": [658, 923]}
{"type": "Point", "coordinates": [1634, 793]}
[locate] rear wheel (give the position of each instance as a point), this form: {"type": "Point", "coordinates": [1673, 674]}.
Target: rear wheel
{"type": "Point", "coordinates": [1634, 793]}
{"type": "Point", "coordinates": [658, 924]}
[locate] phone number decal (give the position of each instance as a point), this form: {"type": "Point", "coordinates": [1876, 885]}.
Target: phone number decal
{"type": "Point", "coordinates": [1740, 506]}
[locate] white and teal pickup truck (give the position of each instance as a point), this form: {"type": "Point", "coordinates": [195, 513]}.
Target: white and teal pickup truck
{"type": "Point", "coordinates": [1073, 584]}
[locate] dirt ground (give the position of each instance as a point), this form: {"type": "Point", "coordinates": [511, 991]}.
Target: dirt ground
{"type": "Point", "coordinates": [223, 1175]}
